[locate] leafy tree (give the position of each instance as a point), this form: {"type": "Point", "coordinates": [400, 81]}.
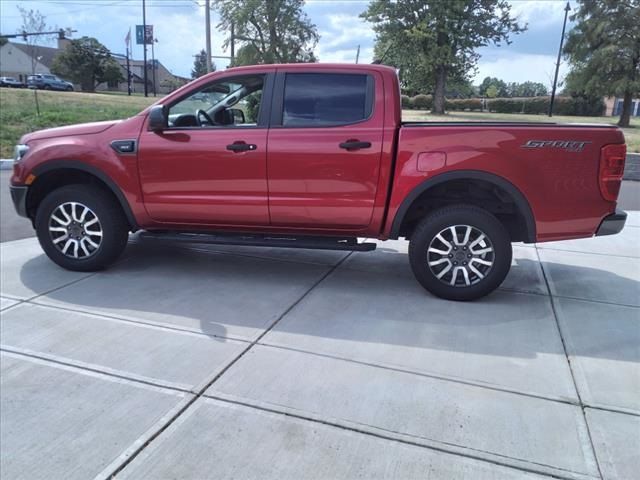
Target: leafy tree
{"type": "Point", "coordinates": [604, 51]}
{"type": "Point", "coordinates": [501, 89]}
{"type": "Point", "coordinates": [441, 36]}
{"type": "Point", "coordinates": [34, 22]}
{"type": "Point", "coordinates": [269, 31]}
{"type": "Point", "coordinates": [200, 65]}
{"type": "Point", "coordinates": [87, 62]}
{"type": "Point", "coordinates": [491, 91]}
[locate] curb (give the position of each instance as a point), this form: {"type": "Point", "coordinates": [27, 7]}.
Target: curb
{"type": "Point", "coordinates": [6, 163]}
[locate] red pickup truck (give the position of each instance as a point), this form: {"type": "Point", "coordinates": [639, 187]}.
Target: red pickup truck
{"type": "Point", "coordinates": [316, 156]}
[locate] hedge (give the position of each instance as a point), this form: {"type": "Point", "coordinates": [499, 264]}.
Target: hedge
{"type": "Point", "coordinates": [537, 105]}
{"type": "Point", "coordinates": [533, 105]}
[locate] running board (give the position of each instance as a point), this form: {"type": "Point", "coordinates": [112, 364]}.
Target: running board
{"type": "Point", "coordinates": [255, 240]}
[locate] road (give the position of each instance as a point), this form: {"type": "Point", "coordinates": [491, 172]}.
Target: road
{"type": "Point", "coordinates": [13, 227]}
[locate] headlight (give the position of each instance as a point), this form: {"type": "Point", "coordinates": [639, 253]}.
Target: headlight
{"type": "Point", "coordinates": [19, 152]}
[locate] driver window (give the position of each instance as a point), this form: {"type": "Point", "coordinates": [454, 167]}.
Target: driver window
{"type": "Point", "coordinates": [229, 102]}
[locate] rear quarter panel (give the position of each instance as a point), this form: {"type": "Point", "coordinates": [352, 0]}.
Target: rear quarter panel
{"type": "Point", "coordinates": [561, 186]}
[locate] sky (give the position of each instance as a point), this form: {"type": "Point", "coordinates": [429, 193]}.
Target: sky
{"type": "Point", "coordinates": [180, 30]}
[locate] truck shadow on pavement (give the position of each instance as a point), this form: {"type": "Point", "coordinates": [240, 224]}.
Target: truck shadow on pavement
{"type": "Point", "coordinates": [374, 305]}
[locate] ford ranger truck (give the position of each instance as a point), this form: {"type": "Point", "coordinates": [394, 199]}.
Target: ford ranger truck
{"type": "Point", "coordinates": [317, 156]}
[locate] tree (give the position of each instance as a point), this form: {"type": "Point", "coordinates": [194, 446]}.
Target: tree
{"type": "Point", "coordinates": [441, 36]}
{"type": "Point", "coordinates": [34, 22]}
{"type": "Point", "coordinates": [200, 65]}
{"type": "Point", "coordinates": [500, 87]}
{"type": "Point", "coordinates": [87, 62]}
{"type": "Point", "coordinates": [278, 31]}
{"type": "Point", "coordinates": [604, 51]}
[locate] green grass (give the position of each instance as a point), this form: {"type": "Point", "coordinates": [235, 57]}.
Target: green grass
{"type": "Point", "coordinates": [18, 111]}
{"type": "Point", "coordinates": [631, 134]}
{"type": "Point", "coordinates": [18, 114]}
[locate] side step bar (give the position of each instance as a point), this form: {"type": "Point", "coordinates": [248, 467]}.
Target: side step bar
{"type": "Point", "coordinates": [257, 240]}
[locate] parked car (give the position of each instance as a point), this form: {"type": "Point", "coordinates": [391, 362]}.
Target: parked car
{"type": "Point", "coordinates": [11, 82]}
{"type": "Point", "coordinates": [45, 81]}
{"type": "Point", "coordinates": [340, 165]}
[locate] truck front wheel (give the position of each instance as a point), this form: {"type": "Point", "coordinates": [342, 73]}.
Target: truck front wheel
{"type": "Point", "coordinates": [460, 252]}
{"type": "Point", "coordinates": [81, 228]}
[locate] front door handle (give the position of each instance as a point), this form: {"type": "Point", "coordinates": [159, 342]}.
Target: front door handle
{"type": "Point", "coordinates": [241, 147]}
{"type": "Point", "coordinates": [355, 145]}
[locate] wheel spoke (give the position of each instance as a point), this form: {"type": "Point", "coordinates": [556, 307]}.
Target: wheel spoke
{"type": "Point", "coordinates": [482, 251]}
{"type": "Point", "coordinates": [444, 271]}
{"type": "Point", "coordinates": [438, 251]}
{"type": "Point", "coordinates": [90, 242]}
{"type": "Point", "coordinates": [445, 242]}
{"type": "Point", "coordinates": [454, 276]}
{"type": "Point", "coordinates": [84, 248]}
{"type": "Point", "coordinates": [481, 261]}
{"type": "Point", "coordinates": [94, 234]}
{"type": "Point", "coordinates": [60, 239]}
{"type": "Point", "coordinates": [58, 229]}
{"type": "Point", "coordinates": [67, 245]}
{"type": "Point", "coordinates": [61, 222]}
{"type": "Point", "coordinates": [476, 271]}
{"type": "Point", "coordinates": [93, 221]}
{"type": "Point", "coordinates": [438, 262]}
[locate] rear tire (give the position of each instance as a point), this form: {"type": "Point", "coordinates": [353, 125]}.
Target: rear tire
{"type": "Point", "coordinates": [81, 228]}
{"type": "Point", "coordinates": [461, 252]}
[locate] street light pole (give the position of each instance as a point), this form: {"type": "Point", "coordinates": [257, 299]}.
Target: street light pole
{"type": "Point", "coordinates": [555, 78]}
{"type": "Point", "coordinates": [207, 19]}
{"type": "Point", "coordinates": [153, 64]}
{"type": "Point", "coordinates": [144, 44]}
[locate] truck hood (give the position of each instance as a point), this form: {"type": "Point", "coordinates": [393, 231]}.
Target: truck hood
{"type": "Point", "coordinates": [70, 130]}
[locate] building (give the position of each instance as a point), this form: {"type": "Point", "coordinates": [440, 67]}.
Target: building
{"type": "Point", "coordinates": [613, 107]}
{"type": "Point", "coordinates": [20, 60]}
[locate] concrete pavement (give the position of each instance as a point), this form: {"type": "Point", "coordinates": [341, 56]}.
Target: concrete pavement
{"type": "Point", "coordinates": [231, 362]}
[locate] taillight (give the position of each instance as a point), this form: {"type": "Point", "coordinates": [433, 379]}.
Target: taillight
{"type": "Point", "coordinates": [612, 159]}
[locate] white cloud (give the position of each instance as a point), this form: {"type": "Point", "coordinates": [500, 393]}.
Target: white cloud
{"type": "Point", "coordinates": [520, 67]}
{"type": "Point", "coordinates": [538, 12]}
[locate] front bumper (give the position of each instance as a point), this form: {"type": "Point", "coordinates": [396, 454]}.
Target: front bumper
{"type": "Point", "coordinates": [612, 224]}
{"type": "Point", "coordinates": [19, 199]}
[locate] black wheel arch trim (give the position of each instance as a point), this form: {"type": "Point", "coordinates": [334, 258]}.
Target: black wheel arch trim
{"type": "Point", "coordinates": [518, 197]}
{"type": "Point", "coordinates": [108, 181]}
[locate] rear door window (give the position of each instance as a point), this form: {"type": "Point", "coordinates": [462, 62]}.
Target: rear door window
{"type": "Point", "coordinates": [326, 99]}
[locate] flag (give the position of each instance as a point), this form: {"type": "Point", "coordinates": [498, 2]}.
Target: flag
{"type": "Point", "coordinates": [127, 39]}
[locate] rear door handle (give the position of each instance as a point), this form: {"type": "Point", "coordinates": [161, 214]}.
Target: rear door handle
{"type": "Point", "coordinates": [241, 147]}
{"type": "Point", "coordinates": [354, 145]}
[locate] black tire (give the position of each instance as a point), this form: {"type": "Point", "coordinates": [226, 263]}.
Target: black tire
{"type": "Point", "coordinates": [112, 223]}
{"type": "Point", "coordinates": [69, 89]}
{"type": "Point", "coordinates": [470, 285]}
{"type": "Point", "coordinates": [46, 87]}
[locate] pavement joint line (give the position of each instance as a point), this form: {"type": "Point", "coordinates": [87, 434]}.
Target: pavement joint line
{"type": "Point", "coordinates": [203, 389]}
{"type": "Point", "coordinates": [139, 322]}
{"type": "Point", "coordinates": [589, 253]}
{"type": "Point", "coordinates": [47, 360]}
{"type": "Point", "coordinates": [408, 439]}
{"type": "Point", "coordinates": [444, 378]}
{"type": "Point", "coordinates": [569, 363]}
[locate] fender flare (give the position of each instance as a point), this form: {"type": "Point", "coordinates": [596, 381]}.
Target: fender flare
{"type": "Point", "coordinates": [520, 200]}
{"type": "Point", "coordinates": [99, 174]}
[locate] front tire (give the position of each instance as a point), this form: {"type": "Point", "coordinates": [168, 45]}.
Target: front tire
{"type": "Point", "coordinates": [460, 252]}
{"type": "Point", "coordinates": [81, 228]}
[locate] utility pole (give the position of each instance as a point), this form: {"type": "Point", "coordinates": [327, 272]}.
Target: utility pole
{"type": "Point", "coordinates": [153, 65]}
{"type": "Point", "coordinates": [128, 73]}
{"type": "Point", "coordinates": [555, 78]}
{"type": "Point", "coordinates": [358, 54]}
{"type": "Point", "coordinates": [207, 19]}
{"type": "Point", "coordinates": [144, 44]}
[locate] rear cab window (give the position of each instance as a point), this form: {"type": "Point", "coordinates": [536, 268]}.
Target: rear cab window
{"type": "Point", "coordinates": [326, 99]}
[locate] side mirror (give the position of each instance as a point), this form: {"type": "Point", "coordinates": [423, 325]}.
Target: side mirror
{"type": "Point", "coordinates": [238, 115]}
{"type": "Point", "coordinates": [157, 118]}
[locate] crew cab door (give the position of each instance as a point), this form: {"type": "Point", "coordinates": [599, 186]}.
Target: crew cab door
{"type": "Point", "coordinates": [325, 145]}
{"type": "Point", "coordinates": [209, 165]}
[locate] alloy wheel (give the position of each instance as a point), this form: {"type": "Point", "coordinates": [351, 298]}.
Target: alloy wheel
{"type": "Point", "coordinates": [75, 230]}
{"type": "Point", "coordinates": [460, 255]}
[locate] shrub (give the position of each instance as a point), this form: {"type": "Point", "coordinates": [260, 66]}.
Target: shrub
{"type": "Point", "coordinates": [461, 104]}
{"type": "Point", "coordinates": [406, 102]}
{"type": "Point", "coordinates": [422, 102]}
{"type": "Point", "coordinates": [540, 105]}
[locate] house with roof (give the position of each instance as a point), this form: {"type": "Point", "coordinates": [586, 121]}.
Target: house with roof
{"type": "Point", "coordinates": [20, 60]}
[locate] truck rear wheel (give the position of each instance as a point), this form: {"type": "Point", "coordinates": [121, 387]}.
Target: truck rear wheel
{"type": "Point", "coordinates": [81, 228]}
{"type": "Point", "coordinates": [460, 252]}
